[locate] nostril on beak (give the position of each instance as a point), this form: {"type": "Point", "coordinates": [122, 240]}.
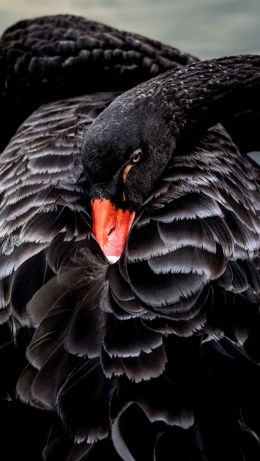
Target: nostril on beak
{"type": "Point", "coordinates": [111, 230]}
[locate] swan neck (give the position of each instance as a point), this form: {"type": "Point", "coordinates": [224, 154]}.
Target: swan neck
{"type": "Point", "coordinates": [203, 94]}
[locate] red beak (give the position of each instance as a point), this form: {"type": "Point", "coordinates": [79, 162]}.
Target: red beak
{"type": "Point", "coordinates": [111, 227]}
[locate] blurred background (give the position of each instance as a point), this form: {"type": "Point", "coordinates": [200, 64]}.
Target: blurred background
{"type": "Point", "coordinates": [206, 28]}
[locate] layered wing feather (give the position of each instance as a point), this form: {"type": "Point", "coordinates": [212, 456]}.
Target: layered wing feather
{"type": "Point", "coordinates": [182, 300]}
{"type": "Point", "coordinates": [44, 194]}
{"type": "Point", "coordinates": [120, 332]}
{"type": "Point", "coordinates": [156, 356]}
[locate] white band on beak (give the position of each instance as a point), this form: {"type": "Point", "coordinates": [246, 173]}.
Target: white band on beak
{"type": "Point", "coordinates": [113, 259]}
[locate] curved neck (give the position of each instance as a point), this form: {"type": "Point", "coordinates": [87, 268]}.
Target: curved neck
{"type": "Point", "coordinates": [205, 93]}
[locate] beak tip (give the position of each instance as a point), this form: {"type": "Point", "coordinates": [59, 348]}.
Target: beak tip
{"type": "Point", "coordinates": [113, 259]}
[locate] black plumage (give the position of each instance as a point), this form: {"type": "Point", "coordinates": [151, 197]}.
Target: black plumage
{"type": "Point", "coordinates": [154, 357]}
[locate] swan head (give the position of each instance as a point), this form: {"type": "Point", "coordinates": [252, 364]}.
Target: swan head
{"type": "Point", "coordinates": [132, 141]}
{"type": "Point", "coordinates": [124, 153]}
{"type": "Point", "coordinates": [127, 148]}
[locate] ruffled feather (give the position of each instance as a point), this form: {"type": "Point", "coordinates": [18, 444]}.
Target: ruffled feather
{"type": "Point", "coordinates": [145, 359]}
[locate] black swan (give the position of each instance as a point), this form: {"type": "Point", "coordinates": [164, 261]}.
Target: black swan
{"type": "Point", "coordinates": [130, 236]}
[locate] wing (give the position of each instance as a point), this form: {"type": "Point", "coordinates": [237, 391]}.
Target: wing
{"type": "Point", "coordinates": [43, 203]}
{"type": "Point", "coordinates": [176, 318]}
{"type": "Point", "coordinates": [190, 275]}
{"type": "Point", "coordinates": [55, 57]}
{"type": "Point", "coordinates": [191, 266]}
{"type": "Point", "coordinates": [181, 303]}
{"type": "Point", "coordinates": [199, 229]}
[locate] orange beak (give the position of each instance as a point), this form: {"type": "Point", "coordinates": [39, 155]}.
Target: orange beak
{"type": "Point", "coordinates": [111, 227]}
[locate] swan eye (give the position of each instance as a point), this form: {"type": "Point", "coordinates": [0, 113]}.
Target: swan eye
{"type": "Point", "coordinates": [136, 157]}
